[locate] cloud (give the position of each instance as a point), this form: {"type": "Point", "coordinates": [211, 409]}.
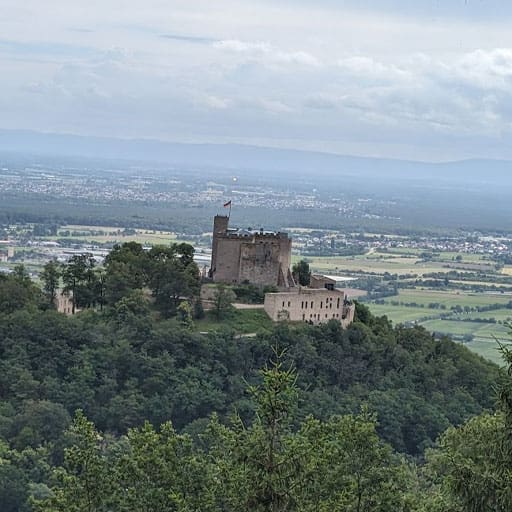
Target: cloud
{"type": "Point", "coordinates": [189, 39]}
{"type": "Point", "coordinates": [40, 48]}
{"type": "Point", "coordinates": [266, 52]}
{"type": "Point", "coordinates": [340, 76]}
{"type": "Point", "coordinates": [214, 102]}
{"type": "Point", "coordinates": [486, 69]}
{"type": "Point", "coordinates": [235, 45]}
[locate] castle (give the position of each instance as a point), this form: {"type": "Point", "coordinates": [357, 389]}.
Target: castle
{"type": "Point", "coordinates": [263, 258]}
{"type": "Point", "coordinates": [317, 303]}
{"type": "Point", "coordinates": [250, 256]}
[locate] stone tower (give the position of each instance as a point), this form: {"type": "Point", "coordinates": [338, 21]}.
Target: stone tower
{"type": "Point", "coordinates": [254, 256]}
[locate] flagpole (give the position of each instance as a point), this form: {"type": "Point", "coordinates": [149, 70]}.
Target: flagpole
{"type": "Point", "coordinates": [229, 215]}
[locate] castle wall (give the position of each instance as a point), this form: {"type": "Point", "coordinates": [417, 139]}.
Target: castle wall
{"type": "Point", "coordinates": [260, 258]}
{"type": "Point", "coordinates": [227, 266]}
{"type": "Point", "coordinates": [309, 305]}
{"type": "Point", "coordinates": [260, 261]}
{"type": "Point", "coordinates": [220, 228]}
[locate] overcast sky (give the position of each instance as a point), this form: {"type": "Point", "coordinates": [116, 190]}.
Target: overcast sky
{"type": "Point", "coordinates": [415, 79]}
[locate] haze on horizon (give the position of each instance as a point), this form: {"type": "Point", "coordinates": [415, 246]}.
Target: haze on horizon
{"type": "Point", "coordinates": [363, 77]}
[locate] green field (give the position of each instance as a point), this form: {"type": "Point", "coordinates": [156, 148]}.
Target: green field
{"type": "Point", "coordinates": [504, 314]}
{"type": "Point", "coordinates": [369, 264]}
{"type": "Point", "coordinates": [115, 235]}
{"type": "Point", "coordinates": [393, 263]}
{"type": "Point", "coordinates": [483, 334]}
{"type": "Point", "coordinates": [487, 348]}
{"type": "Point", "coordinates": [401, 261]}
{"type": "Point", "coordinates": [451, 298]}
{"type": "Point", "coordinates": [401, 314]}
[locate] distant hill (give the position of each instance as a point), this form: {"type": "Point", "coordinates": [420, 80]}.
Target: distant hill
{"type": "Point", "coordinates": [253, 158]}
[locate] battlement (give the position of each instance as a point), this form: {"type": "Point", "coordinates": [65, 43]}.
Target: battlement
{"type": "Point", "coordinates": [257, 235]}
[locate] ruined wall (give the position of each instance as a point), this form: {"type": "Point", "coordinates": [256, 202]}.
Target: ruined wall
{"type": "Point", "coordinates": [260, 261]}
{"type": "Point", "coordinates": [310, 305]}
{"type": "Point", "coordinates": [286, 260]}
{"type": "Point", "coordinates": [227, 264]}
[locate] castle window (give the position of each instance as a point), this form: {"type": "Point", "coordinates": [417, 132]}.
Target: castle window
{"type": "Point", "coordinates": [302, 305]}
{"type": "Point", "coordinates": [283, 303]}
{"type": "Point", "coordinates": [338, 303]}
{"type": "Point", "coordinates": [289, 303]}
{"type": "Point", "coordinates": [321, 304]}
{"type": "Point", "coordinates": [303, 316]}
{"type": "Point", "coordinates": [311, 304]}
{"type": "Point", "coordinates": [325, 315]}
{"type": "Point", "coordinates": [330, 305]}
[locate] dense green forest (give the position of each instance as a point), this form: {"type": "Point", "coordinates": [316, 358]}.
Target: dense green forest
{"type": "Point", "coordinates": [301, 418]}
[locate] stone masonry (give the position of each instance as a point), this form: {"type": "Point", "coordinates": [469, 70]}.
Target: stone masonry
{"type": "Point", "coordinates": [313, 305]}
{"type": "Point", "coordinates": [254, 256]}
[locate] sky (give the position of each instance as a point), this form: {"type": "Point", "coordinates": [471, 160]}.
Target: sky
{"type": "Point", "coordinates": [422, 80]}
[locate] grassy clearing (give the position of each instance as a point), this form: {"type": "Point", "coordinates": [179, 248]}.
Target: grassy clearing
{"type": "Point", "coordinates": [242, 321]}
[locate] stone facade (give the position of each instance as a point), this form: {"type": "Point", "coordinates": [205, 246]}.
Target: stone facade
{"type": "Point", "coordinates": [313, 305]}
{"type": "Point", "coordinates": [64, 303]}
{"type": "Point", "coordinates": [245, 255]}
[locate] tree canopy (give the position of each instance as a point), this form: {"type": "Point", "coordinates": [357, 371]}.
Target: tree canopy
{"type": "Point", "coordinates": [181, 420]}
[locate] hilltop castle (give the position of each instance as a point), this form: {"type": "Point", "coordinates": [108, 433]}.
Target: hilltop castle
{"type": "Point", "coordinates": [263, 258]}
{"type": "Point", "coordinates": [245, 255]}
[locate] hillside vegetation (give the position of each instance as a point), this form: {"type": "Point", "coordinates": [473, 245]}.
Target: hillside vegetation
{"type": "Point", "coordinates": [127, 364]}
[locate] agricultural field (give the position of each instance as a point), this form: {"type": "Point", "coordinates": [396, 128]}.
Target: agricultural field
{"type": "Point", "coordinates": [374, 264]}
{"type": "Point", "coordinates": [449, 298]}
{"type": "Point", "coordinates": [487, 348]}
{"type": "Point", "coordinates": [479, 336]}
{"type": "Point", "coordinates": [430, 306]}
{"type": "Point", "coordinates": [503, 315]}
{"type": "Point", "coordinates": [400, 261]}
{"type": "Point", "coordinates": [89, 234]}
{"type": "Point", "coordinates": [400, 314]}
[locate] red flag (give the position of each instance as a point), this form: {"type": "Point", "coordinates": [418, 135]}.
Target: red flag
{"type": "Point", "coordinates": [227, 204]}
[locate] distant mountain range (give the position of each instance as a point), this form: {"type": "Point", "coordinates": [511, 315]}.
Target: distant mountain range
{"type": "Point", "coordinates": [252, 158]}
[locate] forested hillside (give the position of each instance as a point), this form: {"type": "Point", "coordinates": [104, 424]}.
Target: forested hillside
{"type": "Point", "coordinates": [128, 363]}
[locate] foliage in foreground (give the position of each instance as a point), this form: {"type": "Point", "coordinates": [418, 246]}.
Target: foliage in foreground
{"type": "Point", "coordinates": [339, 464]}
{"type": "Point", "coordinates": [472, 464]}
{"type": "Point", "coordinates": [125, 365]}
